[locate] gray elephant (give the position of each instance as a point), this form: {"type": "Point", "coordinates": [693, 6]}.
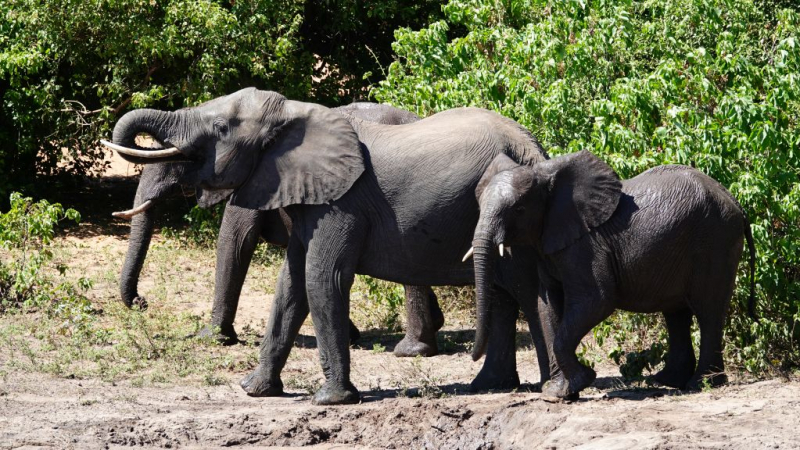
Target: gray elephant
{"type": "Point", "coordinates": [239, 235]}
{"type": "Point", "coordinates": [394, 202]}
{"type": "Point", "coordinates": [668, 240]}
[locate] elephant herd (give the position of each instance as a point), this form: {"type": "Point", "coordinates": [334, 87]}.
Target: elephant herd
{"type": "Point", "coordinates": [370, 189]}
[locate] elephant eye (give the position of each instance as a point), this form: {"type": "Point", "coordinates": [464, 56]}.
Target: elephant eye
{"type": "Point", "coordinates": [519, 210]}
{"type": "Point", "coordinates": [221, 126]}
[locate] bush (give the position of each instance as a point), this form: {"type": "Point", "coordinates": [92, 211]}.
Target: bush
{"type": "Point", "coordinates": [26, 271]}
{"type": "Point", "coordinates": [710, 83]}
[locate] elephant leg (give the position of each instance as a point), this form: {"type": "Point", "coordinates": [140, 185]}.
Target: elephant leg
{"type": "Point", "coordinates": [424, 318]}
{"type": "Point", "coordinates": [522, 281]}
{"type": "Point", "coordinates": [580, 315]}
{"type": "Point", "coordinates": [330, 271]}
{"type": "Point", "coordinates": [499, 369]}
{"type": "Point", "coordinates": [681, 361]}
{"type": "Point", "coordinates": [238, 238]}
{"type": "Point", "coordinates": [711, 319]}
{"type": "Point", "coordinates": [289, 311]}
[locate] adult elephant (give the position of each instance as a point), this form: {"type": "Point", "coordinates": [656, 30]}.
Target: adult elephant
{"type": "Point", "coordinates": [238, 236]}
{"type": "Point", "coordinates": [393, 202]}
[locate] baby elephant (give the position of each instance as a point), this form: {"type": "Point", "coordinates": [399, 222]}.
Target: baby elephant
{"type": "Point", "coordinates": [668, 240]}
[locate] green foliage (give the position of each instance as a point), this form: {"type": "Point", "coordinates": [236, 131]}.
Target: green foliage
{"type": "Point", "coordinates": [26, 278]}
{"type": "Point", "coordinates": [68, 69]}
{"type": "Point", "coordinates": [351, 41]}
{"type": "Point", "coordinates": [710, 83]}
{"type": "Point", "coordinates": [202, 226]}
{"type": "Point", "coordinates": [389, 295]}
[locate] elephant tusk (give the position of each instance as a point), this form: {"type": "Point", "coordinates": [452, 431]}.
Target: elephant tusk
{"type": "Point", "coordinates": [132, 212]}
{"type": "Point", "coordinates": [468, 255]}
{"type": "Point", "coordinates": [508, 249]}
{"type": "Point", "coordinates": [150, 154]}
{"type": "Point", "coordinates": [501, 249]}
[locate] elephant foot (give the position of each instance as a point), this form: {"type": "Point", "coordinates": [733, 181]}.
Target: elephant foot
{"type": "Point", "coordinates": [225, 336]}
{"type": "Point", "coordinates": [259, 384]}
{"type": "Point", "coordinates": [675, 378]}
{"type": "Point", "coordinates": [355, 335]}
{"type": "Point", "coordinates": [698, 382]}
{"type": "Point", "coordinates": [412, 347]}
{"type": "Point", "coordinates": [491, 380]}
{"type": "Point", "coordinates": [334, 393]}
{"type": "Point", "coordinates": [562, 387]}
{"type": "Point", "coordinates": [137, 302]}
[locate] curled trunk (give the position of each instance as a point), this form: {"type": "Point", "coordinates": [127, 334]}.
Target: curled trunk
{"type": "Point", "coordinates": [157, 124]}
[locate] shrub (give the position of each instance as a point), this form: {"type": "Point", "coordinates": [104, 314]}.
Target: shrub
{"type": "Point", "coordinates": [710, 83]}
{"type": "Point", "coordinates": [26, 270]}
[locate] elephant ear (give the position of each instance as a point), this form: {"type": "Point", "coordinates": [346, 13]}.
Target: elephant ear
{"type": "Point", "coordinates": [500, 163]}
{"type": "Point", "coordinates": [584, 193]}
{"type": "Point", "coordinates": [208, 198]}
{"type": "Point", "coordinates": [314, 158]}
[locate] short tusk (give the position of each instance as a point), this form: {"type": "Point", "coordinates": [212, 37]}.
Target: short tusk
{"type": "Point", "coordinates": [508, 249]}
{"type": "Point", "coordinates": [132, 212]}
{"type": "Point", "coordinates": [150, 154]}
{"type": "Point", "coordinates": [501, 249]}
{"type": "Point", "coordinates": [468, 255]}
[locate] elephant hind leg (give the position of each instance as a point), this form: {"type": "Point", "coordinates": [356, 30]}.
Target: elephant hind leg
{"type": "Point", "coordinates": [711, 308]}
{"type": "Point", "coordinates": [681, 361]}
{"type": "Point", "coordinates": [424, 319]}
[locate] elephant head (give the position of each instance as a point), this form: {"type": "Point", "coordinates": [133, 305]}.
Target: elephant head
{"type": "Point", "coordinates": [269, 151]}
{"type": "Point", "coordinates": [549, 206]}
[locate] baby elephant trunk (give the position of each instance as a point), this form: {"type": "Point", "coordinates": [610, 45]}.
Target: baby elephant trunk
{"type": "Point", "coordinates": [484, 280]}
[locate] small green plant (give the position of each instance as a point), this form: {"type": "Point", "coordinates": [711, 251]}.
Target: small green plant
{"type": "Point", "coordinates": [202, 229]}
{"type": "Point", "coordinates": [415, 373]}
{"type": "Point", "coordinates": [26, 278]}
{"type": "Point", "coordinates": [377, 348]}
{"type": "Point", "coordinates": [389, 295]}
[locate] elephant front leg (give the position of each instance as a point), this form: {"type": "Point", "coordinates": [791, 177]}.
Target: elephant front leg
{"type": "Point", "coordinates": [569, 376]}
{"type": "Point", "coordinates": [238, 238]}
{"type": "Point", "coordinates": [424, 319]}
{"type": "Point", "coordinates": [289, 311]}
{"type": "Point", "coordinates": [499, 369]}
{"type": "Point", "coordinates": [329, 300]}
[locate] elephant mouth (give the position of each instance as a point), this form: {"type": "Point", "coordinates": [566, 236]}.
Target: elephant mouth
{"type": "Point", "coordinates": [128, 215]}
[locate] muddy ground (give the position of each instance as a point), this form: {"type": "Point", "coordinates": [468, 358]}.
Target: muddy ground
{"type": "Point", "coordinates": [407, 403]}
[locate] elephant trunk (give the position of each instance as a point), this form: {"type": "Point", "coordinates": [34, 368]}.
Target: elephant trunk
{"type": "Point", "coordinates": [138, 244]}
{"type": "Point", "coordinates": [484, 279]}
{"type": "Point", "coordinates": [158, 124]}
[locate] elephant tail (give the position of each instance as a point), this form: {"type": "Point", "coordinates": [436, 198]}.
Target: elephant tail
{"type": "Point", "coordinates": [751, 303]}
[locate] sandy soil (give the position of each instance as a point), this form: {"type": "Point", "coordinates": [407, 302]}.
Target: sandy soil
{"type": "Point", "coordinates": [407, 403]}
{"type": "Point", "coordinates": [45, 412]}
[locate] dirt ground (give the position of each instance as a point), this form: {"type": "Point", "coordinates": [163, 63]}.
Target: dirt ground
{"type": "Point", "coordinates": [407, 403]}
{"type": "Point", "coordinates": [42, 412]}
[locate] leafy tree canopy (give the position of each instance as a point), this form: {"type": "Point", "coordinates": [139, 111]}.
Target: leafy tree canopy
{"type": "Point", "coordinates": [710, 83]}
{"type": "Point", "coordinates": [70, 68]}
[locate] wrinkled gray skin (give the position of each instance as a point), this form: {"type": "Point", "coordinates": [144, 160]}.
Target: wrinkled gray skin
{"type": "Point", "coordinates": [395, 202]}
{"type": "Point", "coordinates": [239, 235]}
{"type": "Point", "coordinates": [668, 240]}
